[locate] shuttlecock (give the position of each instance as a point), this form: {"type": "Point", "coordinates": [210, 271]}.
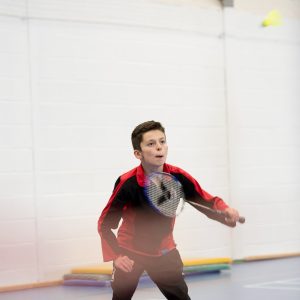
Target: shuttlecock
{"type": "Point", "coordinates": [273, 18]}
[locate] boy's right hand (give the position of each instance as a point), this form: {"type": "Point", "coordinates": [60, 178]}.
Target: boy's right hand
{"type": "Point", "coordinates": [124, 263]}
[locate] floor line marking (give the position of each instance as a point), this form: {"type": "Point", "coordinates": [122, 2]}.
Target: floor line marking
{"type": "Point", "coordinates": [283, 284]}
{"type": "Point", "coordinates": [272, 287]}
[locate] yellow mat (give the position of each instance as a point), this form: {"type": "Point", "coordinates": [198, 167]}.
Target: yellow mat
{"type": "Point", "coordinates": [106, 268]}
{"type": "Point", "coordinates": [97, 269]}
{"type": "Point", "coordinates": [206, 261]}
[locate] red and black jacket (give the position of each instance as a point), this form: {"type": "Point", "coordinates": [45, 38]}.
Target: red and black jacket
{"type": "Point", "coordinates": [143, 230]}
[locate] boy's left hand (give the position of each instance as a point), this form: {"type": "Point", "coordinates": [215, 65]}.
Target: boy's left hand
{"type": "Point", "coordinates": [232, 216]}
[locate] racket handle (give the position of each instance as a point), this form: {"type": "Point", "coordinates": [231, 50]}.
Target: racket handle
{"type": "Point", "coordinates": [221, 213]}
{"type": "Point", "coordinates": [242, 220]}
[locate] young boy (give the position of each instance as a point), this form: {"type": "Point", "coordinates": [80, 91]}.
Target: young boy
{"type": "Point", "coordinates": [144, 240]}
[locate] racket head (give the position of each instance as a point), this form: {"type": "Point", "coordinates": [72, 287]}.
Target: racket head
{"type": "Point", "coordinates": [164, 193]}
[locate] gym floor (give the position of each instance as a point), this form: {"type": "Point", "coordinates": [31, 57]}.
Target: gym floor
{"type": "Point", "coordinates": [269, 279]}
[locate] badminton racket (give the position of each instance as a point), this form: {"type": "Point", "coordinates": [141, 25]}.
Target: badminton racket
{"type": "Point", "coordinates": [165, 195]}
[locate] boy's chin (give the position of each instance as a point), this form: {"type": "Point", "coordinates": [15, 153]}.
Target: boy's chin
{"type": "Point", "coordinates": [160, 165]}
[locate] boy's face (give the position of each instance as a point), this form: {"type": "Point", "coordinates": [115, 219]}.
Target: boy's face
{"type": "Point", "coordinates": [154, 150]}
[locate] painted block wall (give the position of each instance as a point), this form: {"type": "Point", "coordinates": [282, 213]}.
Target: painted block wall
{"type": "Point", "coordinates": [262, 74]}
{"type": "Point", "coordinates": [18, 249]}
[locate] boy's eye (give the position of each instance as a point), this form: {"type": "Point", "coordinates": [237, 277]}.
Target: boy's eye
{"type": "Point", "coordinates": [163, 142]}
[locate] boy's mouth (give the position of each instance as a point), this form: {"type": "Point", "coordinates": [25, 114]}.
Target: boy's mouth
{"type": "Point", "coordinates": [159, 156]}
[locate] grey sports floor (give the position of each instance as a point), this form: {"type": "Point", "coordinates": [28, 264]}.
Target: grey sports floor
{"type": "Point", "coordinates": [272, 279]}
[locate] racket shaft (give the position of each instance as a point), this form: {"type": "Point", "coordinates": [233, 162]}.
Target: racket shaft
{"type": "Point", "coordinates": [217, 212]}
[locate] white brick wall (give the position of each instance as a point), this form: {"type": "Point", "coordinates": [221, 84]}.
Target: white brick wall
{"type": "Point", "coordinates": [18, 239]}
{"type": "Point", "coordinates": [76, 77]}
{"type": "Point", "coordinates": [289, 8]}
{"type": "Point", "coordinates": [264, 128]}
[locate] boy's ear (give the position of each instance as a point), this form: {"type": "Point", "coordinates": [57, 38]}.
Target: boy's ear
{"type": "Point", "coordinates": [138, 154]}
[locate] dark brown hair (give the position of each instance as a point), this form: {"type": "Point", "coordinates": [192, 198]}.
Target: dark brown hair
{"type": "Point", "coordinates": [138, 132]}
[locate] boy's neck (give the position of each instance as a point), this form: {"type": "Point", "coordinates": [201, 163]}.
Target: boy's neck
{"type": "Point", "coordinates": [149, 170]}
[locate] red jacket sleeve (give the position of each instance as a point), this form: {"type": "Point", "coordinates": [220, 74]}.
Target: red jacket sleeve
{"type": "Point", "coordinates": [109, 219]}
{"type": "Point", "coordinates": [193, 190]}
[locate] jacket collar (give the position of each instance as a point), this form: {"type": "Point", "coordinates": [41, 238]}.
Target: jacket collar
{"type": "Point", "coordinates": [141, 176]}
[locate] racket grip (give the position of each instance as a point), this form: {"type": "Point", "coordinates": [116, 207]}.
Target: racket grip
{"type": "Point", "coordinates": [242, 220]}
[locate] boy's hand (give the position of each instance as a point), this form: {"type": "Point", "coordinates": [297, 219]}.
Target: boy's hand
{"type": "Point", "coordinates": [124, 263]}
{"type": "Point", "coordinates": [232, 216]}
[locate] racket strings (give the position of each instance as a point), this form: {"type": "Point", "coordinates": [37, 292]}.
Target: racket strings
{"type": "Point", "coordinates": [165, 194]}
